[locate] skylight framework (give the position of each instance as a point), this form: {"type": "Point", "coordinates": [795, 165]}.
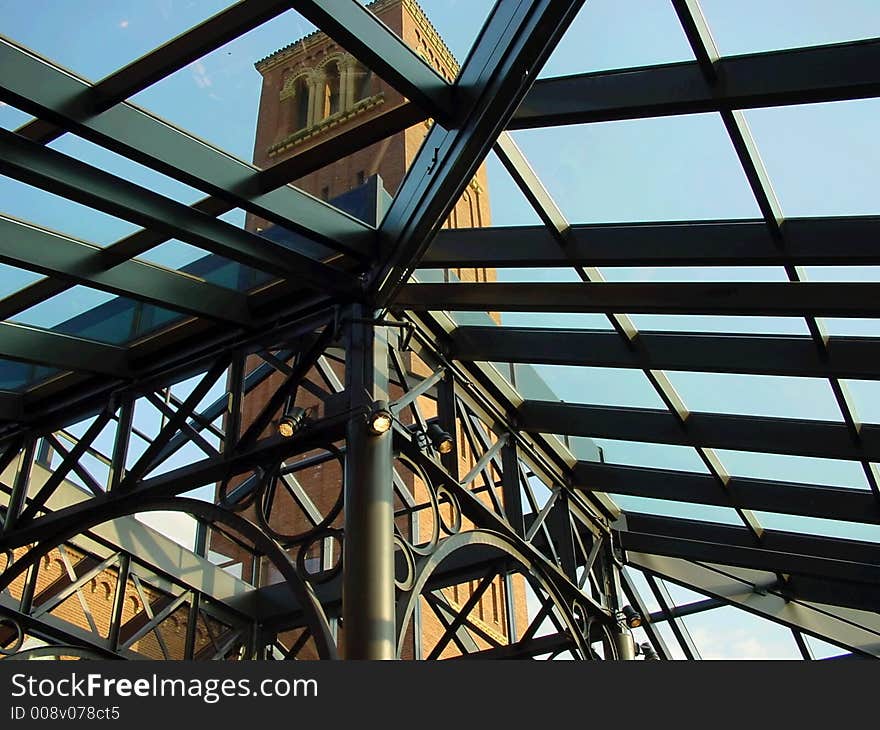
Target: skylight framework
{"type": "Point", "coordinates": [342, 317]}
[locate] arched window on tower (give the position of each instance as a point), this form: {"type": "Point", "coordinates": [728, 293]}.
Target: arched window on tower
{"type": "Point", "coordinates": [300, 103]}
{"type": "Point", "coordinates": [361, 82]}
{"type": "Point", "coordinates": [331, 90]}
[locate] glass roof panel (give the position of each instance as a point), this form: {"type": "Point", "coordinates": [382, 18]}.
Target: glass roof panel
{"type": "Point", "coordinates": [866, 394]}
{"type": "Point", "coordinates": [203, 265]}
{"type": "Point", "coordinates": [609, 34]}
{"type": "Point", "coordinates": [508, 204]}
{"type": "Point", "coordinates": [659, 456]}
{"type": "Point", "coordinates": [709, 323]}
{"type": "Point", "coordinates": [819, 526]}
{"type": "Point", "coordinates": [17, 376]}
{"type": "Point", "coordinates": [757, 395]}
{"type": "Point", "coordinates": [648, 169]}
{"type": "Point", "coordinates": [13, 279]}
{"type": "Point", "coordinates": [51, 211]}
{"type": "Point", "coordinates": [729, 633]}
{"type": "Point", "coordinates": [852, 326]}
{"type": "Point", "coordinates": [823, 159]}
{"type": "Point", "coordinates": [784, 467]}
{"type": "Point", "coordinates": [12, 118]}
{"type": "Point", "coordinates": [94, 315]}
{"type": "Point", "coordinates": [842, 273]}
{"type": "Point", "coordinates": [748, 26]}
{"type": "Point", "coordinates": [600, 386]}
{"type": "Point", "coordinates": [102, 158]}
{"type": "Point", "coordinates": [694, 273]}
{"type": "Point", "coordinates": [95, 37]}
{"type": "Point", "coordinates": [683, 510]}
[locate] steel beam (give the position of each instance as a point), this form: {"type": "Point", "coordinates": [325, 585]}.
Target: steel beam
{"type": "Point", "coordinates": [780, 299]}
{"type": "Point", "coordinates": [847, 561]}
{"type": "Point", "coordinates": [38, 87]}
{"type": "Point", "coordinates": [57, 350]}
{"type": "Point", "coordinates": [800, 76]}
{"type": "Point", "coordinates": [854, 629]}
{"type": "Point", "coordinates": [811, 500]}
{"type": "Point", "coordinates": [844, 241]}
{"type": "Point", "coordinates": [787, 355]}
{"type": "Point", "coordinates": [801, 437]}
{"type": "Point", "coordinates": [368, 590]}
{"type": "Point", "coordinates": [504, 61]}
{"type": "Point", "coordinates": [60, 174]}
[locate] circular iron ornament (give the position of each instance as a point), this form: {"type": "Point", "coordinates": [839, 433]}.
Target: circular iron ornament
{"type": "Point", "coordinates": [315, 618]}
{"type": "Point", "coordinates": [19, 636]}
{"type": "Point", "coordinates": [426, 567]}
{"type": "Point", "coordinates": [321, 576]}
{"type": "Point", "coordinates": [265, 496]}
{"type": "Point", "coordinates": [58, 651]}
{"type": "Point", "coordinates": [455, 527]}
{"type": "Point", "coordinates": [243, 504]}
{"type": "Point", "coordinates": [410, 562]}
{"type": "Point", "coordinates": [434, 505]}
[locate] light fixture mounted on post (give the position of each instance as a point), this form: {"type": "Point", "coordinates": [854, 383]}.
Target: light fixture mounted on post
{"type": "Point", "coordinates": [440, 438]}
{"type": "Point", "coordinates": [632, 617]}
{"type": "Point", "coordinates": [379, 419]}
{"type": "Point", "coordinates": [293, 420]}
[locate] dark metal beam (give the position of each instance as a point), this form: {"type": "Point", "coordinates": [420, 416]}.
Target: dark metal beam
{"type": "Point", "coordinates": [47, 91]}
{"type": "Point", "coordinates": [848, 241]}
{"type": "Point", "coordinates": [800, 437]}
{"type": "Point", "coordinates": [791, 552]}
{"type": "Point", "coordinates": [812, 500]}
{"type": "Point", "coordinates": [781, 299]}
{"type": "Point", "coordinates": [789, 355]}
{"type": "Point", "coordinates": [504, 61]}
{"type": "Point", "coordinates": [29, 246]}
{"type": "Point", "coordinates": [363, 35]}
{"type": "Point", "coordinates": [799, 76]}
{"type": "Point", "coordinates": [53, 349]}
{"type": "Point", "coordinates": [62, 175]}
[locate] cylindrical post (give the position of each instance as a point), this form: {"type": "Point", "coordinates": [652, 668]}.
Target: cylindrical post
{"type": "Point", "coordinates": [368, 560]}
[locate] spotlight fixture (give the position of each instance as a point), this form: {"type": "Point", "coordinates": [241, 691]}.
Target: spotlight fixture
{"type": "Point", "coordinates": [648, 652]}
{"type": "Point", "coordinates": [633, 618]}
{"type": "Point", "coordinates": [379, 419]}
{"type": "Point", "coordinates": [292, 421]}
{"type": "Point", "coordinates": [441, 439]}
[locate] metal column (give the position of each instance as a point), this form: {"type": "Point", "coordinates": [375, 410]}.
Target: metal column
{"type": "Point", "coordinates": [368, 552]}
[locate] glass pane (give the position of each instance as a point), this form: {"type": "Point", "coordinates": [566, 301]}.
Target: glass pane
{"type": "Point", "coordinates": [731, 633]}
{"type": "Point", "coordinates": [683, 510]}
{"type": "Point", "coordinates": [695, 273]}
{"type": "Point", "coordinates": [601, 386]}
{"type": "Point", "coordinates": [866, 394]}
{"type": "Point", "coordinates": [757, 395]}
{"type": "Point", "coordinates": [609, 34]}
{"type": "Point", "coordinates": [660, 456]}
{"type": "Point", "coordinates": [12, 118]}
{"type": "Point", "coordinates": [59, 214]}
{"type": "Point", "coordinates": [20, 375]}
{"type": "Point", "coordinates": [804, 469]}
{"type": "Point", "coordinates": [762, 25]}
{"type": "Point", "coordinates": [733, 325]}
{"type": "Point", "coordinates": [642, 170]}
{"type": "Point", "coordinates": [95, 315]}
{"type": "Point", "coordinates": [823, 159]}
{"type": "Point", "coordinates": [95, 37]}
{"type": "Point", "coordinates": [819, 526]}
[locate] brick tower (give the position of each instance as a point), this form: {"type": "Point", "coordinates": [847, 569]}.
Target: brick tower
{"type": "Point", "coordinates": [312, 90]}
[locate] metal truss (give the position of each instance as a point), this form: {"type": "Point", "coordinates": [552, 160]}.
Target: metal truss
{"type": "Point", "coordinates": [410, 550]}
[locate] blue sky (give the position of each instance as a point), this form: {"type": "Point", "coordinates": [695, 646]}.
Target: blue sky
{"type": "Point", "coordinates": [823, 159]}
